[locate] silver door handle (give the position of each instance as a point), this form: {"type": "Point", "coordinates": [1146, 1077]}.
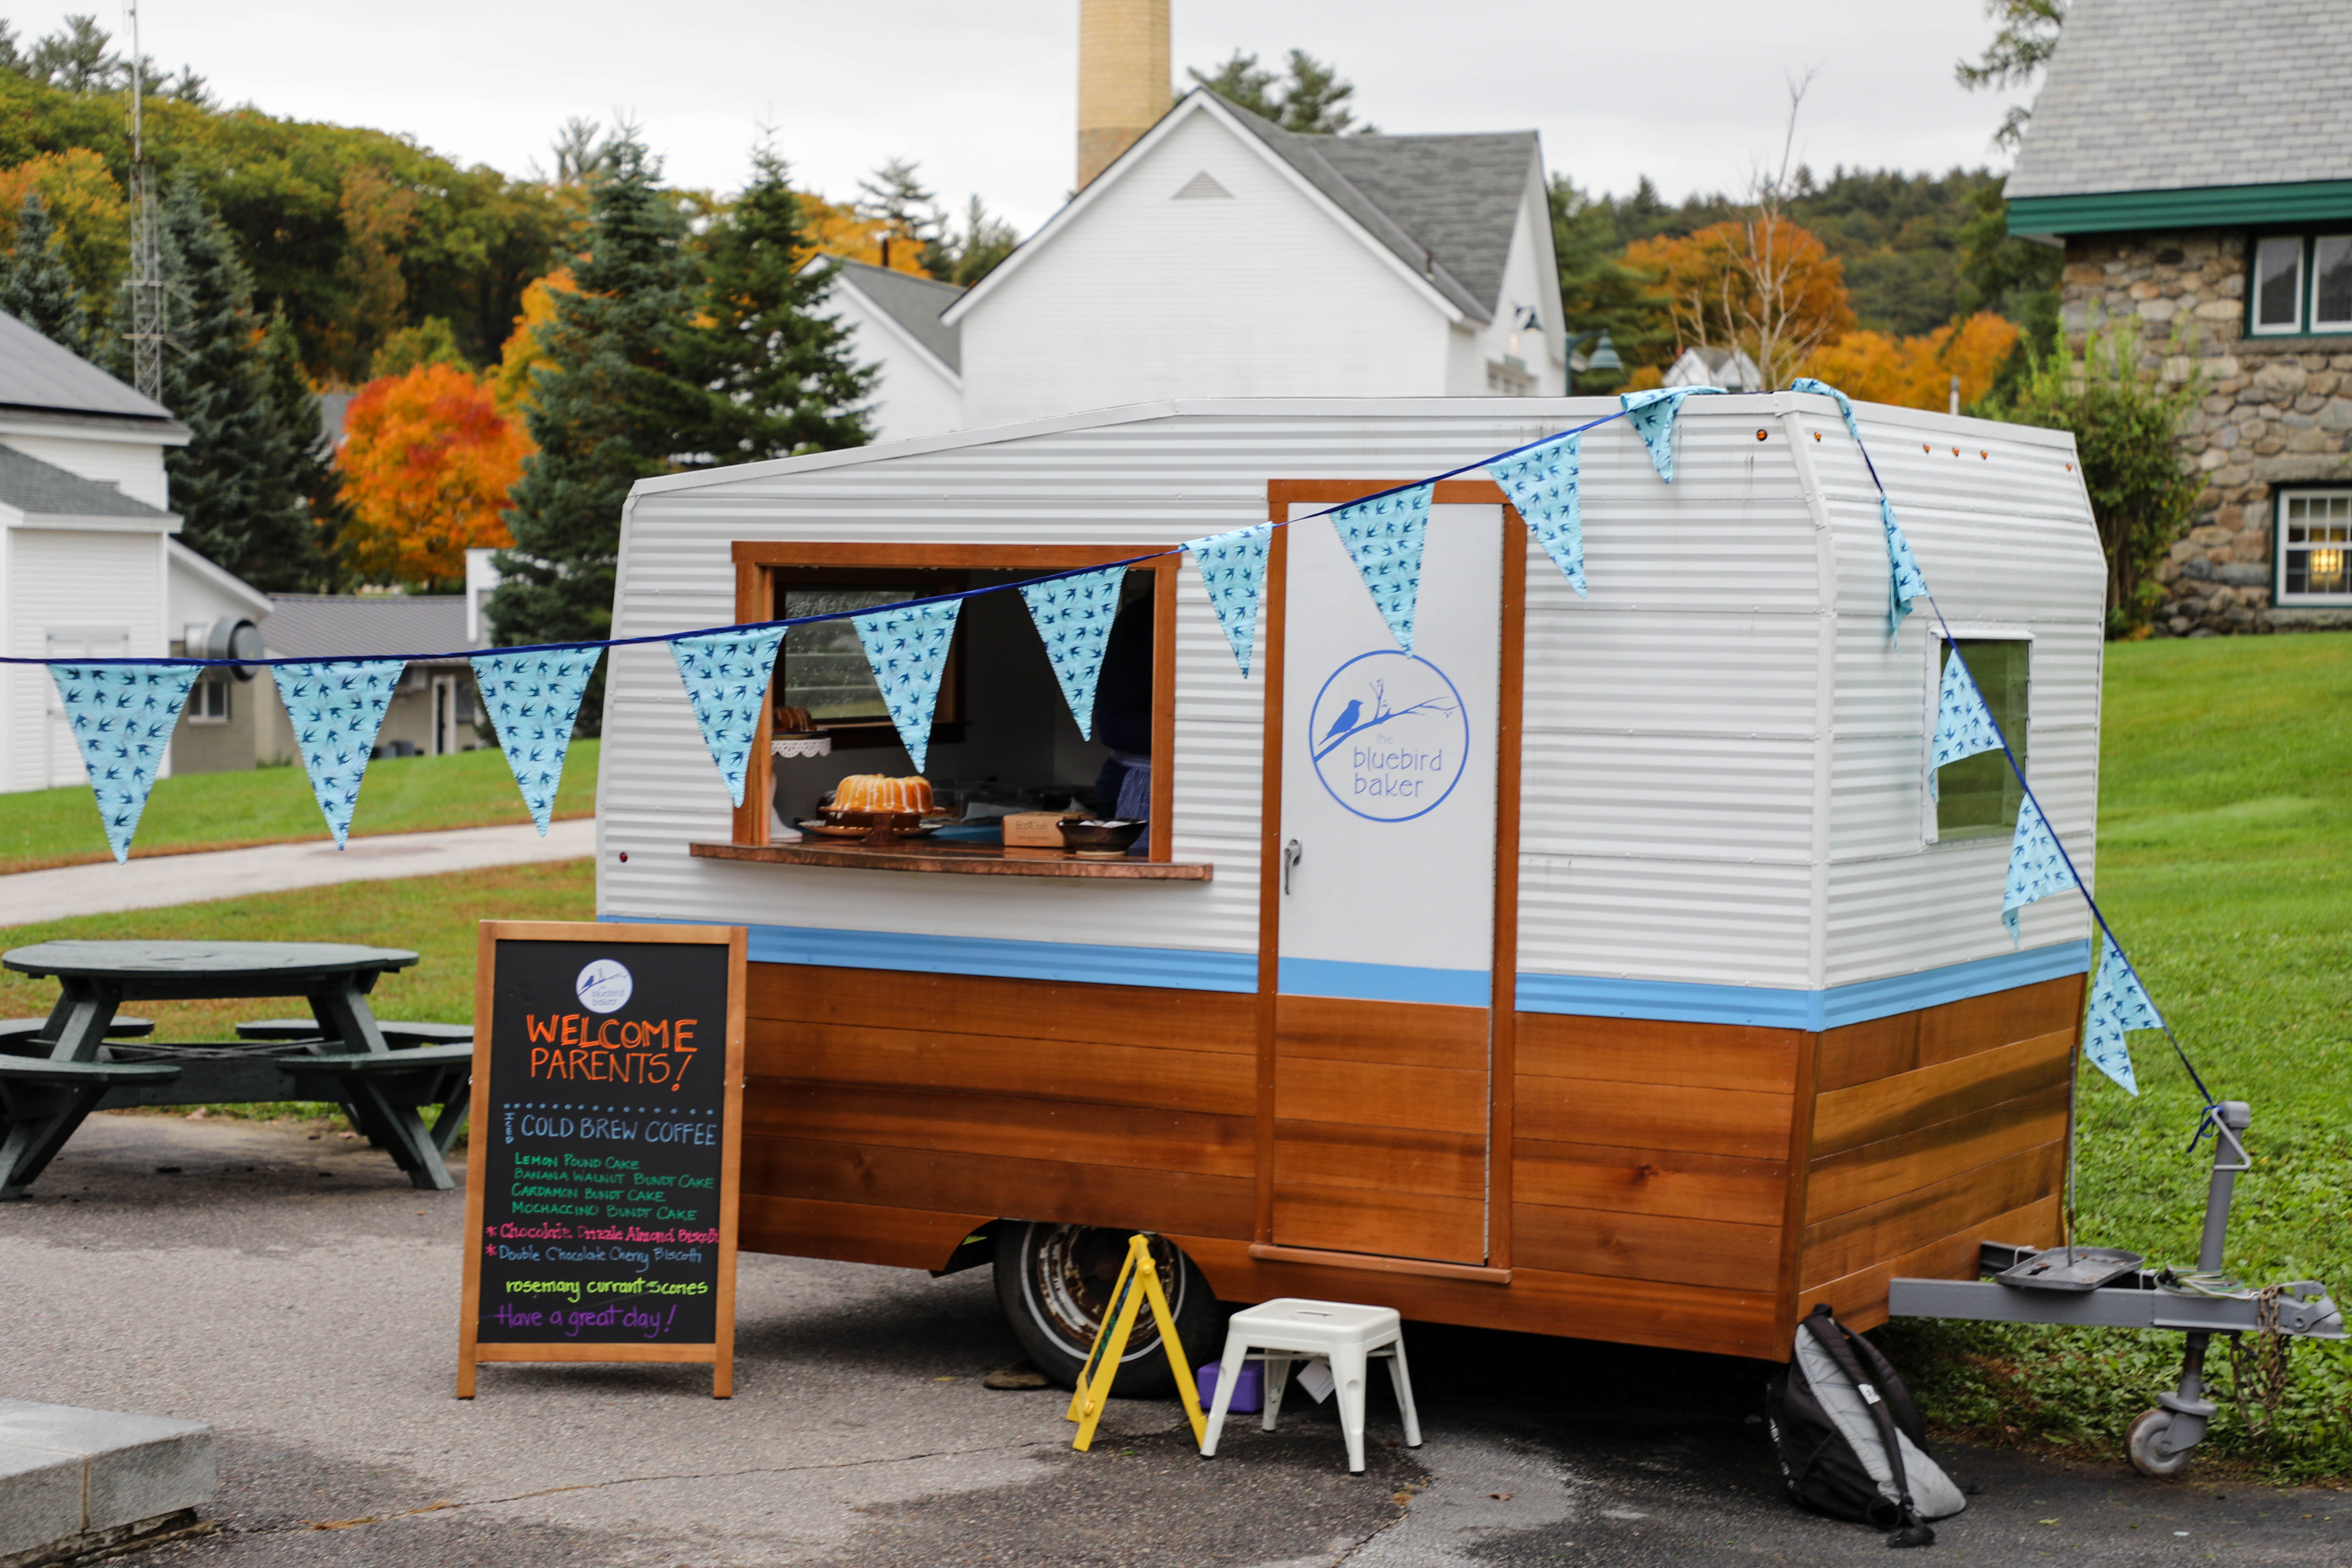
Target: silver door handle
{"type": "Point", "coordinates": [1291, 856]}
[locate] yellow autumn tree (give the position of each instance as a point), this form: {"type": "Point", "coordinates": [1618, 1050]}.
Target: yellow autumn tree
{"type": "Point", "coordinates": [1759, 284]}
{"type": "Point", "coordinates": [1917, 372]}
{"type": "Point", "coordinates": [510, 383]}
{"type": "Point", "coordinates": [835, 229]}
{"type": "Point", "coordinates": [426, 462]}
{"type": "Point", "coordinates": [88, 212]}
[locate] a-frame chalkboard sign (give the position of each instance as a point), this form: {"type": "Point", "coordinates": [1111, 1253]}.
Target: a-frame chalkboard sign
{"type": "Point", "coordinates": [601, 1160]}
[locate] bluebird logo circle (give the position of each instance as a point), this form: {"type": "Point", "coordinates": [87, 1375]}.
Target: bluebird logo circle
{"type": "Point", "coordinates": [604, 986]}
{"type": "Point", "coordinates": [1388, 735]}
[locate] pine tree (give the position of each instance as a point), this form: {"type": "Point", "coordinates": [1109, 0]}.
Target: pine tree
{"type": "Point", "coordinates": [36, 287]}
{"type": "Point", "coordinates": [777, 368]}
{"type": "Point", "coordinates": [308, 475]}
{"type": "Point", "coordinates": [233, 483]}
{"type": "Point", "coordinates": [609, 408]}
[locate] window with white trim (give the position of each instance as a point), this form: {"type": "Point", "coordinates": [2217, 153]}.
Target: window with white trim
{"type": "Point", "coordinates": [208, 700]}
{"type": "Point", "coordinates": [2300, 283]}
{"type": "Point", "coordinates": [2315, 533]}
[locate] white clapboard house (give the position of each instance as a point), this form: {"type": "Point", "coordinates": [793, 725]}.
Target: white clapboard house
{"type": "Point", "coordinates": [88, 566]}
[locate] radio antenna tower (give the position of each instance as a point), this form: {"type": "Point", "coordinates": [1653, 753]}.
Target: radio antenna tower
{"type": "Point", "coordinates": [148, 327]}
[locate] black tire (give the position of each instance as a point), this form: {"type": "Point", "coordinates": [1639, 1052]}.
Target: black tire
{"type": "Point", "coordinates": [1053, 1283]}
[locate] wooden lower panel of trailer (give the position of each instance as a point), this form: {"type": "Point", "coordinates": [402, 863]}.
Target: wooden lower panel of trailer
{"type": "Point", "coordinates": [1860, 1299]}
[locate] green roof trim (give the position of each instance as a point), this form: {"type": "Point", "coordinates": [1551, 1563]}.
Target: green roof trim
{"type": "Point", "coordinates": [2204, 206]}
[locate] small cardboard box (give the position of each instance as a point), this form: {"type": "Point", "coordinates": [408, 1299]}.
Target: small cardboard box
{"type": "Point", "coordinates": [1037, 829]}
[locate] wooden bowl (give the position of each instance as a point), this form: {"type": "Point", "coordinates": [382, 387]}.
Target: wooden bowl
{"type": "Point", "coordinates": [1101, 841]}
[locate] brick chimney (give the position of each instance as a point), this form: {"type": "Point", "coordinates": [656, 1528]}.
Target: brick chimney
{"type": "Point", "coordinates": [1122, 78]}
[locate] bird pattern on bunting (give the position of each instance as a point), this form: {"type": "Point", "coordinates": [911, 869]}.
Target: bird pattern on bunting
{"type": "Point", "coordinates": [726, 676]}
{"type": "Point", "coordinates": [1073, 617]}
{"type": "Point", "coordinates": [122, 716]}
{"type": "Point", "coordinates": [1964, 725]}
{"type": "Point", "coordinates": [1383, 536]}
{"type": "Point", "coordinates": [533, 700]}
{"type": "Point", "coordinates": [1232, 569]}
{"type": "Point", "coordinates": [1542, 484]}
{"type": "Point", "coordinates": [2118, 1003]}
{"type": "Point", "coordinates": [2037, 866]}
{"type": "Point", "coordinates": [908, 649]}
{"type": "Point", "coordinates": [1653, 415]}
{"type": "Point", "coordinates": [1904, 582]}
{"type": "Point", "coordinates": [336, 709]}
{"type": "Point", "coordinates": [1845, 403]}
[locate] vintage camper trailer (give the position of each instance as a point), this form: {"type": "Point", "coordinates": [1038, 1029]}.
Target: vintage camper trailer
{"type": "Point", "coordinates": [1624, 980]}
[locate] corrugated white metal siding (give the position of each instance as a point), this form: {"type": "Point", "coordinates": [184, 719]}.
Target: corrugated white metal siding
{"type": "Point", "coordinates": [1696, 805]}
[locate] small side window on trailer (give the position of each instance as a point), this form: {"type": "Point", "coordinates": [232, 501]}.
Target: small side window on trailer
{"type": "Point", "coordinates": [1979, 797]}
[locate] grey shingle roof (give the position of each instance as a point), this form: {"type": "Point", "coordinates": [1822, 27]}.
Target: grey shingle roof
{"type": "Point", "coordinates": [2155, 95]}
{"type": "Point", "coordinates": [38, 373]}
{"type": "Point", "coordinates": [314, 626]}
{"type": "Point", "coordinates": [32, 486]}
{"type": "Point", "coordinates": [1444, 205]}
{"type": "Point", "coordinates": [913, 302]}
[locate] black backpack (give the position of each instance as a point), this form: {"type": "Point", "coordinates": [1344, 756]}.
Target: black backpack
{"type": "Point", "coordinates": [1849, 1438]}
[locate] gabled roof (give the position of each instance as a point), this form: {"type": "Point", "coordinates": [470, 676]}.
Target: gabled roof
{"type": "Point", "coordinates": [913, 302]}
{"type": "Point", "coordinates": [1444, 208]}
{"type": "Point", "coordinates": [44, 489]}
{"type": "Point", "coordinates": [2171, 95]}
{"type": "Point", "coordinates": [315, 626]}
{"type": "Point", "coordinates": [39, 375]}
{"type": "Point", "coordinates": [1446, 205]}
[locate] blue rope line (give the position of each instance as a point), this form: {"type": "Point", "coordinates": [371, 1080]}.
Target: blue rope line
{"type": "Point", "coordinates": [470, 654]}
{"type": "Point", "coordinates": [2097, 915]}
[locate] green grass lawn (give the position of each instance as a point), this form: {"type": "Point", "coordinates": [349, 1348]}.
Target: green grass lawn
{"type": "Point", "coordinates": [273, 806]}
{"type": "Point", "coordinates": [2225, 772]}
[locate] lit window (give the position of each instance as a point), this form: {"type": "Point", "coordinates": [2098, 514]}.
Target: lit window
{"type": "Point", "coordinates": [2278, 284]}
{"type": "Point", "coordinates": [2315, 541]}
{"type": "Point", "coordinates": [1979, 797]}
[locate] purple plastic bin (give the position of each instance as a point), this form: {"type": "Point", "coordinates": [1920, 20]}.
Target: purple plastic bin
{"type": "Point", "coordinates": [1246, 1387]}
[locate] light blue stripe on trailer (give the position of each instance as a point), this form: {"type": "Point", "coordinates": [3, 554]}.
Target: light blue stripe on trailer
{"type": "Point", "coordinates": [1385, 982]}
{"type": "Point", "coordinates": [1764, 1006]}
{"type": "Point", "coordinates": [1168, 968]}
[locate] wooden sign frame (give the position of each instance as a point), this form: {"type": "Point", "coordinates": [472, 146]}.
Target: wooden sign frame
{"type": "Point", "coordinates": [720, 1352]}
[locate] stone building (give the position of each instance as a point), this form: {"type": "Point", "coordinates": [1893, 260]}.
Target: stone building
{"type": "Point", "coordinates": [2194, 159]}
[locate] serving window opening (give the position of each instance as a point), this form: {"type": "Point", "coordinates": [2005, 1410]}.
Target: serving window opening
{"type": "Point", "coordinates": [1003, 741]}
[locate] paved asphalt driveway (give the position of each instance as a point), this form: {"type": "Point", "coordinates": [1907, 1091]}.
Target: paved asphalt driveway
{"type": "Point", "coordinates": [299, 1296]}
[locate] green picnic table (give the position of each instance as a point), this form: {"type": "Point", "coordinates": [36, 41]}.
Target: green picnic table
{"type": "Point", "coordinates": [51, 1080]}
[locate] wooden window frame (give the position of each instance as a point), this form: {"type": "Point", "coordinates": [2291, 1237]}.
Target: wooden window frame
{"type": "Point", "coordinates": [755, 560]}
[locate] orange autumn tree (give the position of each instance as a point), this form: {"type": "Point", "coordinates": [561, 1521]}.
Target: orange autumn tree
{"type": "Point", "coordinates": [1759, 284]}
{"type": "Point", "coordinates": [1917, 372]}
{"type": "Point", "coordinates": [426, 463]}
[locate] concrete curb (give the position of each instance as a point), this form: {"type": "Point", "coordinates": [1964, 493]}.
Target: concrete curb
{"type": "Point", "coordinates": [77, 1482]}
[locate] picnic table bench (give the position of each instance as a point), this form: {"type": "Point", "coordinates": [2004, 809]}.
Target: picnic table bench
{"type": "Point", "coordinates": [51, 1080]}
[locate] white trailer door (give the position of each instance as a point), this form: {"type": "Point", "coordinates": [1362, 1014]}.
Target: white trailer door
{"type": "Point", "coordinates": [1385, 924]}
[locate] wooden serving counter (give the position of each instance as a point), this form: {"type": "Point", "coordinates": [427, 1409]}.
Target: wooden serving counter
{"type": "Point", "coordinates": [963, 859]}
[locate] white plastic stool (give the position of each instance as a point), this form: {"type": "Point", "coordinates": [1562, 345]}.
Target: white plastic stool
{"type": "Point", "coordinates": [1348, 1336]}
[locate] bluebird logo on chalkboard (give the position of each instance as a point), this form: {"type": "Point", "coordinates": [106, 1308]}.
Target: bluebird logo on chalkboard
{"type": "Point", "coordinates": [603, 987]}
{"type": "Point", "coordinates": [1388, 735]}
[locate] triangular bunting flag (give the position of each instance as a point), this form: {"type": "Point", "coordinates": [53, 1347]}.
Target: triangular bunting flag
{"type": "Point", "coordinates": [1542, 483]}
{"type": "Point", "coordinates": [2118, 1003]}
{"type": "Point", "coordinates": [1653, 414]}
{"type": "Point", "coordinates": [1233, 568]}
{"type": "Point", "coordinates": [123, 716]}
{"type": "Point", "coordinates": [727, 676]}
{"type": "Point", "coordinates": [1904, 582]}
{"type": "Point", "coordinates": [1845, 405]}
{"type": "Point", "coordinates": [533, 699]}
{"type": "Point", "coordinates": [2037, 867]}
{"type": "Point", "coordinates": [336, 709]}
{"type": "Point", "coordinates": [1384, 535]}
{"type": "Point", "coordinates": [907, 647]}
{"type": "Point", "coordinates": [1964, 725]}
{"type": "Point", "coordinates": [1073, 617]}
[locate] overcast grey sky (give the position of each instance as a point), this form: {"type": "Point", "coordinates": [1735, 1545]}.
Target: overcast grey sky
{"type": "Point", "coordinates": [1690, 92]}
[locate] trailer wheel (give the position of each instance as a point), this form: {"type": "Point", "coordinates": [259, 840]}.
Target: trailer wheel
{"type": "Point", "coordinates": [2144, 1444]}
{"type": "Point", "coordinates": [1055, 1281]}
